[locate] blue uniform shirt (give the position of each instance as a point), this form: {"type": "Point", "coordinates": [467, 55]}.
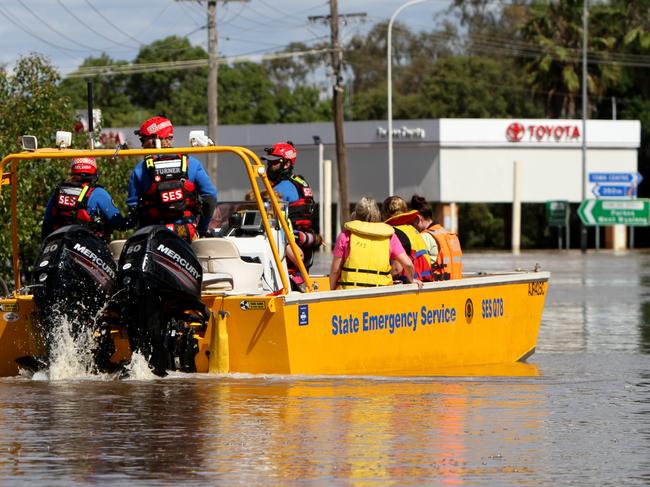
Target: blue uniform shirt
{"type": "Point", "coordinates": [99, 204]}
{"type": "Point", "coordinates": [287, 191]}
{"type": "Point", "coordinates": [140, 182]}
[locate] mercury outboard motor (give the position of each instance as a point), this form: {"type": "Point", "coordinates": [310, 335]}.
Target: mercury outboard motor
{"type": "Point", "coordinates": [73, 279]}
{"type": "Point", "coordinates": [159, 280]}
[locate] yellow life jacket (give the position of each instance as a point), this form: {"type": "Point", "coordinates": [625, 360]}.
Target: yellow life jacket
{"type": "Point", "coordinates": [419, 253]}
{"type": "Point", "coordinates": [368, 264]}
{"type": "Point", "coordinates": [449, 264]}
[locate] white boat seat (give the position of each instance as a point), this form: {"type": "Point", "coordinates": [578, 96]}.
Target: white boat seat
{"type": "Point", "coordinates": [221, 256]}
{"type": "Point", "coordinates": [216, 282]}
{"type": "Point", "coordinates": [116, 247]}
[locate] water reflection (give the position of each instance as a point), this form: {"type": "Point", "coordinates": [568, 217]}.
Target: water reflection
{"type": "Point", "coordinates": [577, 414]}
{"type": "Point", "coordinates": [275, 429]}
{"type": "Point", "coordinates": [365, 431]}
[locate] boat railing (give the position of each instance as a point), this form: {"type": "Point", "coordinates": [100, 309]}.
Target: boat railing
{"type": "Point", "coordinates": [254, 169]}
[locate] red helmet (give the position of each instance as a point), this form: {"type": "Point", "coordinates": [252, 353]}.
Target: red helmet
{"type": "Point", "coordinates": [83, 165]}
{"type": "Point", "coordinates": [160, 126]}
{"type": "Point", "coordinates": [282, 151]}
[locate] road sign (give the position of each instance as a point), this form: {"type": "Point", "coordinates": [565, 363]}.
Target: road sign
{"type": "Point", "coordinates": [616, 177]}
{"type": "Point", "coordinates": [614, 190]}
{"type": "Point", "coordinates": [557, 213]}
{"type": "Point", "coordinates": [615, 212]}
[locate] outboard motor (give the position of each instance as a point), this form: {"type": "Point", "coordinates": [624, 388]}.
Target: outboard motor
{"type": "Point", "coordinates": [73, 279]}
{"type": "Point", "coordinates": [159, 280]}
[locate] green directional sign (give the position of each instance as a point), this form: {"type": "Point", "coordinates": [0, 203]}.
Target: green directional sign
{"type": "Point", "coordinates": [615, 212]}
{"type": "Point", "coordinates": [557, 213]}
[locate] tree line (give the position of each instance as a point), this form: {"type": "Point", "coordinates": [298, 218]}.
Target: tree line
{"type": "Point", "coordinates": [478, 60]}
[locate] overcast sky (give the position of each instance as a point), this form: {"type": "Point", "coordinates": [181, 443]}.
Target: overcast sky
{"type": "Point", "coordinates": [68, 31]}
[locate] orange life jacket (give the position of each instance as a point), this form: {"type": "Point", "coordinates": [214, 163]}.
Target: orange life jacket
{"type": "Point", "coordinates": [449, 263]}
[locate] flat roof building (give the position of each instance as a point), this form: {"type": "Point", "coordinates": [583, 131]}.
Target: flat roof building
{"type": "Point", "coordinates": [445, 160]}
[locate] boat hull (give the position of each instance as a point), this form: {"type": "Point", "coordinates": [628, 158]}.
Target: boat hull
{"type": "Point", "coordinates": [394, 330]}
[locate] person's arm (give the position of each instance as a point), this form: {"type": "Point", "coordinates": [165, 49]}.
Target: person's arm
{"type": "Point", "coordinates": [109, 212]}
{"type": "Point", "coordinates": [46, 229]}
{"type": "Point", "coordinates": [432, 245]}
{"type": "Point", "coordinates": [135, 185]}
{"type": "Point", "coordinates": [339, 255]}
{"type": "Point", "coordinates": [208, 193]}
{"type": "Point", "coordinates": [335, 271]}
{"type": "Point", "coordinates": [401, 261]}
{"type": "Point", "coordinates": [286, 191]}
{"type": "Point", "coordinates": [408, 269]}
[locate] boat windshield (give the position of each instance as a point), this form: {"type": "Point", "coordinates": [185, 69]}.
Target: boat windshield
{"type": "Point", "coordinates": [242, 218]}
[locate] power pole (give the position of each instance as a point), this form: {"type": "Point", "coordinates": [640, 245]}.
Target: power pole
{"type": "Point", "coordinates": [213, 76]}
{"type": "Point", "coordinates": [213, 87]}
{"type": "Point", "coordinates": [337, 104]}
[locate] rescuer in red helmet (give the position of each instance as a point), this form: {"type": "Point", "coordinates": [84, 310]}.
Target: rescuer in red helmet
{"type": "Point", "coordinates": [80, 200]}
{"type": "Point", "coordinates": [172, 190]}
{"type": "Point", "coordinates": [293, 189]}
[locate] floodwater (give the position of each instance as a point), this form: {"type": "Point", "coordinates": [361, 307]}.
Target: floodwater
{"type": "Point", "coordinates": [578, 414]}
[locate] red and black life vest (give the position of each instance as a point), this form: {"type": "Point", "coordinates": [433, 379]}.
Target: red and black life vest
{"type": "Point", "coordinates": [71, 207]}
{"type": "Point", "coordinates": [171, 197]}
{"type": "Point", "coordinates": [301, 211]}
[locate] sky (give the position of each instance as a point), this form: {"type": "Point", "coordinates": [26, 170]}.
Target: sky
{"type": "Point", "coordinates": [68, 31]}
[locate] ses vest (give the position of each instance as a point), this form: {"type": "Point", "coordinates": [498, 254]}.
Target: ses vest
{"type": "Point", "coordinates": [368, 264]}
{"type": "Point", "coordinates": [301, 210]}
{"type": "Point", "coordinates": [419, 253]}
{"type": "Point", "coordinates": [171, 197]}
{"type": "Point", "coordinates": [449, 264]}
{"type": "Point", "coordinates": [71, 207]}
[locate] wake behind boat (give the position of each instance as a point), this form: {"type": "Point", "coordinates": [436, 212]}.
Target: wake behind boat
{"type": "Point", "coordinates": [239, 314]}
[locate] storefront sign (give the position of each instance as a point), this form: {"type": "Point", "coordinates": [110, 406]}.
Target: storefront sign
{"type": "Point", "coordinates": [518, 132]}
{"type": "Point", "coordinates": [402, 133]}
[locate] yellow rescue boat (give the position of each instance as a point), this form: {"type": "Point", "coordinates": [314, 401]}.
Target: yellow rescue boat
{"type": "Point", "coordinates": [258, 325]}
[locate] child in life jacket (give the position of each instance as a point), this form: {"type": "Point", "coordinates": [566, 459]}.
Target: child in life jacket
{"type": "Point", "coordinates": [444, 246]}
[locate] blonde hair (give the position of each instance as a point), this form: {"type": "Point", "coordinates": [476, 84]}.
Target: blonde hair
{"type": "Point", "coordinates": [366, 210]}
{"type": "Point", "coordinates": [394, 205]}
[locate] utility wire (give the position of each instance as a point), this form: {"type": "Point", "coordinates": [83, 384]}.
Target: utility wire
{"type": "Point", "coordinates": [36, 36]}
{"type": "Point", "coordinates": [56, 31]}
{"type": "Point", "coordinates": [112, 24]}
{"type": "Point", "coordinates": [113, 70]}
{"type": "Point", "coordinates": [82, 22]}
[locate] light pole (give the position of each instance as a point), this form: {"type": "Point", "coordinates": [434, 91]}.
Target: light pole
{"type": "Point", "coordinates": [389, 62]}
{"type": "Point", "coordinates": [321, 214]}
{"type": "Point", "coordinates": [585, 14]}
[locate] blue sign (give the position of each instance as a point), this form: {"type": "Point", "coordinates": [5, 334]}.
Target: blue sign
{"type": "Point", "coordinates": [614, 190]}
{"type": "Point", "coordinates": [303, 314]}
{"type": "Point", "coordinates": [634, 178]}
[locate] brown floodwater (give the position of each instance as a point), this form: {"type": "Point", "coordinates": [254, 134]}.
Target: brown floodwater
{"type": "Point", "coordinates": [577, 413]}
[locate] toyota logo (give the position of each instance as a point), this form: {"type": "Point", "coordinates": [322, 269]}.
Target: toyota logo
{"type": "Point", "coordinates": [515, 132]}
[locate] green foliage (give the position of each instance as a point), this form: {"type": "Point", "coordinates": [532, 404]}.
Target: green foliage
{"type": "Point", "coordinates": [110, 93]}
{"type": "Point", "coordinates": [249, 96]}
{"type": "Point", "coordinates": [30, 103]}
{"type": "Point", "coordinates": [467, 87]}
{"type": "Point", "coordinates": [180, 94]}
{"type": "Point", "coordinates": [481, 226]}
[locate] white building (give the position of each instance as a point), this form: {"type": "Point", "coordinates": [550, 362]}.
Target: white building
{"type": "Point", "coordinates": [444, 160]}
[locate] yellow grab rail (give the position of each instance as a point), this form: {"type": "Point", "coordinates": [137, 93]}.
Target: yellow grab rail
{"type": "Point", "coordinates": [254, 169]}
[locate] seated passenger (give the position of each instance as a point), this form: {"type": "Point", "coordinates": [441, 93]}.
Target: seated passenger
{"type": "Point", "coordinates": [365, 249]}
{"type": "Point", "coordinates": [444, 246]}
{"type": "Point", "coordinates": [397, 215]}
